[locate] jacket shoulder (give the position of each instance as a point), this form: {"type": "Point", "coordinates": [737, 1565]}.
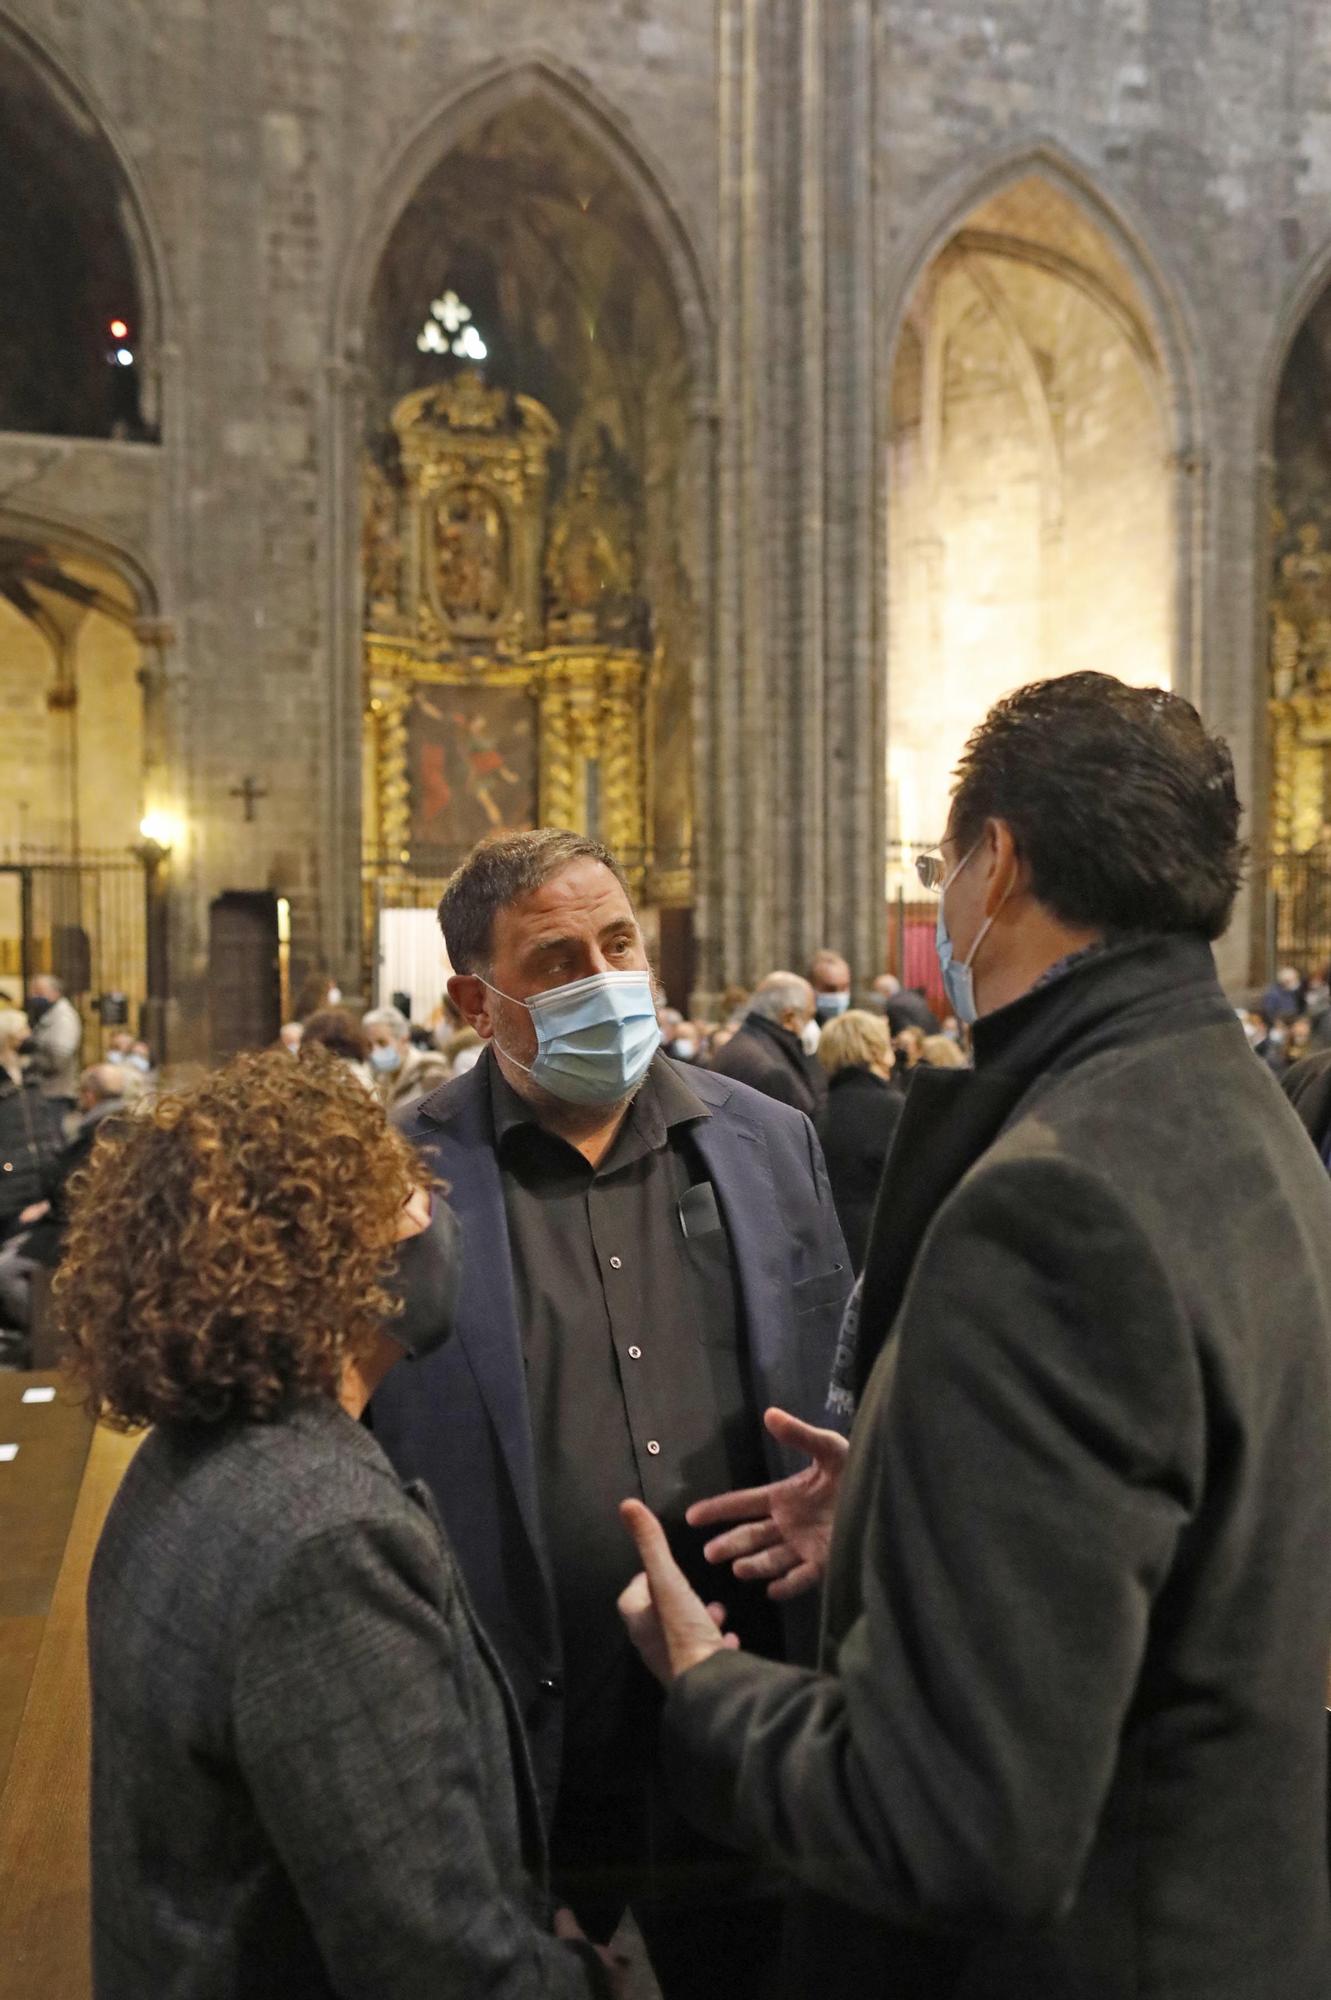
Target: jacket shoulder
{"type": "Point", "coordinates": [454, 1106]}
{"type": "Point", "coordinates": [731, 1097]}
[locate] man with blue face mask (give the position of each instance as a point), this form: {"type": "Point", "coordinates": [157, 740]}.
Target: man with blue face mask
{"type": "Point", "coordinates": [651, 1258]}
{"type": "Point", "coordinates": [1068, 1737]}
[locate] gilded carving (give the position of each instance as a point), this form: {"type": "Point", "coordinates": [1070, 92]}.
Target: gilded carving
{"type": "Point", "coordinates": [1300, 708]}
{"type": "Point", "coordinates": [381, 542]}
{"type": "Point", "coordinates": [471, 563]}
{"type": "Point", "coordinates": [514, 689]}
{"type": "Point", "coordinates": [590, 564]}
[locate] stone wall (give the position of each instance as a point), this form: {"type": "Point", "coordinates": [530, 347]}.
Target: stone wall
{"type": "Point", "coordinates": [802, 162]}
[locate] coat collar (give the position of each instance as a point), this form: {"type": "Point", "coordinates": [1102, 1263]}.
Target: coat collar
{"type": "Point", "coordinates": [1134, 991]}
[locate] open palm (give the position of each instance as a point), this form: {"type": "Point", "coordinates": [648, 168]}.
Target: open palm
{"type": "Point", "coordinates": [782, 1531]}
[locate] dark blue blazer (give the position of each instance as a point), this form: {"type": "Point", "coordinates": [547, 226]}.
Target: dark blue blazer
{"type": "Point", "coordinates": [459, 1420]}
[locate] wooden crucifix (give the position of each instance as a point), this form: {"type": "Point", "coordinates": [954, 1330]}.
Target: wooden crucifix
{"type": "Point", "coordinates": [250, 793]}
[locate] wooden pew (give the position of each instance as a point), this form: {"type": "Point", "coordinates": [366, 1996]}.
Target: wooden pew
{"type": "Point", "coordinates": [53, 1500]}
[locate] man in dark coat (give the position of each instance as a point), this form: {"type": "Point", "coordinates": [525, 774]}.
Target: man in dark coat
{"type": "Point", "coordinates": [649, 1262]}
{"type": "Point", "coordinates": [1068, 1738]}
{"type": "Point", "coordinates": [767, 1052]}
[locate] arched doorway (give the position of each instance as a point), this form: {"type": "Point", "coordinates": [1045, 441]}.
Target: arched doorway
{"type": "Point", "coordinates": [1032, 506]}
{"type": "Point", "coordinates": [528, 494]}
{"type": "Point", "coordinates": [72, 760]}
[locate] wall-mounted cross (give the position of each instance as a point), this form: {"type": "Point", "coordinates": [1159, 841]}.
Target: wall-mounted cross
{"type": "Point", "coordinates": [251, 793]}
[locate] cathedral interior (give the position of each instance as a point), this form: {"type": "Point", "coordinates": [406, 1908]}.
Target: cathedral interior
{"type": "Point", "coordinates": [677, 421]}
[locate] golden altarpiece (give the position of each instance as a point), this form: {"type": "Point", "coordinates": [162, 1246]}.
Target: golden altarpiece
{"type": "Point", "coordinates": [1301, 692]}
{"type": "Point", "coordinates": [1299, 873]}
{"type": "Point", "coordinates": [505, 640]}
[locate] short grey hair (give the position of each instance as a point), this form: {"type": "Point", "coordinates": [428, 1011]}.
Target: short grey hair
{"type": "Point", "coordinates": [387, 1017]}
{"type": "Point", "coordinates": [781, 993]}
{"type": "Point", "coordinates": [499, 871]}
{"type": "Point", "coordinates": [107, 1080]}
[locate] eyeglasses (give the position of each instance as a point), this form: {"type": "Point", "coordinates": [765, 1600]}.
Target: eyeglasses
{"type": "Point", "coordinates": [932, 870]}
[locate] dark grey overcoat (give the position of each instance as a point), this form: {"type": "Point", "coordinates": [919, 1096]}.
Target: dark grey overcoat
{"type": "Point", "coordinates": [309, 1778]}
{"type": "Point", "coordinates": [1068, 1743]}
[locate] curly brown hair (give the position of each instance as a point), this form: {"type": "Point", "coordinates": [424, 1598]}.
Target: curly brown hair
{"type": "Point", "coordinates": [226, 1250]}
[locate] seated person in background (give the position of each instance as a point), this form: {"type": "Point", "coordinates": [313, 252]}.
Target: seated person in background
{"type": "Point", "coordinates": [104, 1090]}
{"type": "Point", "coordinates": [767, 1051]}
{"type": "Point", "coordinates": [858, 1120]}
{"type": "Point", "coordinates": [302, 1776]}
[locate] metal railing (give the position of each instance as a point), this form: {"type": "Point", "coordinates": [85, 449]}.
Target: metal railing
{"type": "Point", "coordinates": [82, 918]}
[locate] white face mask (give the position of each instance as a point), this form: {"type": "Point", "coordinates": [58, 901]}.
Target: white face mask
{"type": "Point", "coordinates": [810, 1036]}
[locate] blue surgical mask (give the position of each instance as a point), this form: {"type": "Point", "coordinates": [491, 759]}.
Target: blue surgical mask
{"type": "Point", "coordinates": [828, 1005]}
{"type": "Point", "coordinates": [957, 979]}
{"type": "Point", "coordinates": [595, 1038]}
{"type": "Point", "coordinates": [385, 1058]}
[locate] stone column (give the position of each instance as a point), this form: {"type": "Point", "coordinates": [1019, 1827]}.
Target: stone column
{"type": "Point", "coordinates": [792, 804]}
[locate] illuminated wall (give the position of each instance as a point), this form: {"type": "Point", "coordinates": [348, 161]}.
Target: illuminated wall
{"type": "Point", "coordinates": [1030, 498]}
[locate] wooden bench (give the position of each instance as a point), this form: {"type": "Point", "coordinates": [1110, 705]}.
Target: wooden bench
{"type": "Point", "coordinates": [53, 1499]}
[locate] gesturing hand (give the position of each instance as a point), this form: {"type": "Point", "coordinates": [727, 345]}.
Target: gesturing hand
{"type": "Point", "coordinates": [787, 1525]}
{"type": "Point", "coordinates": [667, 1621]}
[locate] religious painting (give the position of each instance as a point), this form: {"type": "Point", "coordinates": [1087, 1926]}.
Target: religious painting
{"type": "Point", "coordinates": [471, 558]}
{"type": "Point", "coordinates": [471, 761]}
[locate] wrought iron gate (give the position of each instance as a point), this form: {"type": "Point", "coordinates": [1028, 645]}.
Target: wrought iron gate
{"type": "Point", "coordinates": [81, 918]}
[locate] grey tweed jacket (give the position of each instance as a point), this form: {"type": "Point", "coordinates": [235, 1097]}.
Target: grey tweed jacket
{"type": "Point", "coordinates": [308, 1778]}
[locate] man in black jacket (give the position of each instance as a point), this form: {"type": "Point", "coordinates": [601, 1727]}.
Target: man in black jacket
{"type": "Point", "coordinates": [1068, 1734]}
{"type": "Point", "coordinates": [767, 1052]}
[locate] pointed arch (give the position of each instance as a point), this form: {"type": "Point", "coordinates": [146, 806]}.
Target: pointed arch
{"type": "Point", "coordinates": [75, 99]}
{"type": "Point", "coordinates": [1045, 158]}
{"type": "Point", "coordinates": [1183, 401]}
{"type": "Point", "coordinates": [541, 78]}
{"type": "Point", "coordinates": [533, 77]}
{"type": "Point", "coordinates": [1306, 292]}
{"type": "Point", "coordinates": [49, 529]}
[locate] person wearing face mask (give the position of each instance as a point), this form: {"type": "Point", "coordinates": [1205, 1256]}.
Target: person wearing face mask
{"type": "Point", "coordinates": [303, 1774]}
{"type": "Point", "coordinates": [401, 1071]}
{"type": "Point", "coordinates": [652, 1254]}
{"type": "Point", "coordinates": [57, 1037]}
{"type": "Point", "coordinates": [1068, 1737]}
{"type": "Point", "coordinates": [772, 1048]}
{"type": "Point", "coordinates": [829, 976]}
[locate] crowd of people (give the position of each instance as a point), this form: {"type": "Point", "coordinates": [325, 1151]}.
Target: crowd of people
{"type": "Point", "coordinates": [607, 1462]}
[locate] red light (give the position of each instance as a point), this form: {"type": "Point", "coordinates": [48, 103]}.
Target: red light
{"type": "Point", "coordinates": [118, 329]}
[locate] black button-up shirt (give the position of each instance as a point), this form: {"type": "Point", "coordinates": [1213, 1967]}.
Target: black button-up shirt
{"type": "Point", "coordinates": [637, 1381]}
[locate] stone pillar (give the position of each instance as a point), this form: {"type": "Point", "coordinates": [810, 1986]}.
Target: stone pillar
{"type": "Point", "coordinates": [792, 798]}
{"type": "Point", "coordinates": [339, 942]}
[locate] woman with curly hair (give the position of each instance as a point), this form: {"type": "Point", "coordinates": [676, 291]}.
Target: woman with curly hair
{"type": "Point", "coordinates": [303, 1775]}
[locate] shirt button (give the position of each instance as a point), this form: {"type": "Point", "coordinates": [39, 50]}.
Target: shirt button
{"type": "Point", "coordinates": [615, 1263]}
{"type": "Point", "coordinates": [635, 1354]}
{"type": "Point", "coordinates": [653, 1447]}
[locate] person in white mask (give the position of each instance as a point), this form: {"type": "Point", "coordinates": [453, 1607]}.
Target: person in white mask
{"type": "Point", "coordinates": [652, 1257]}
